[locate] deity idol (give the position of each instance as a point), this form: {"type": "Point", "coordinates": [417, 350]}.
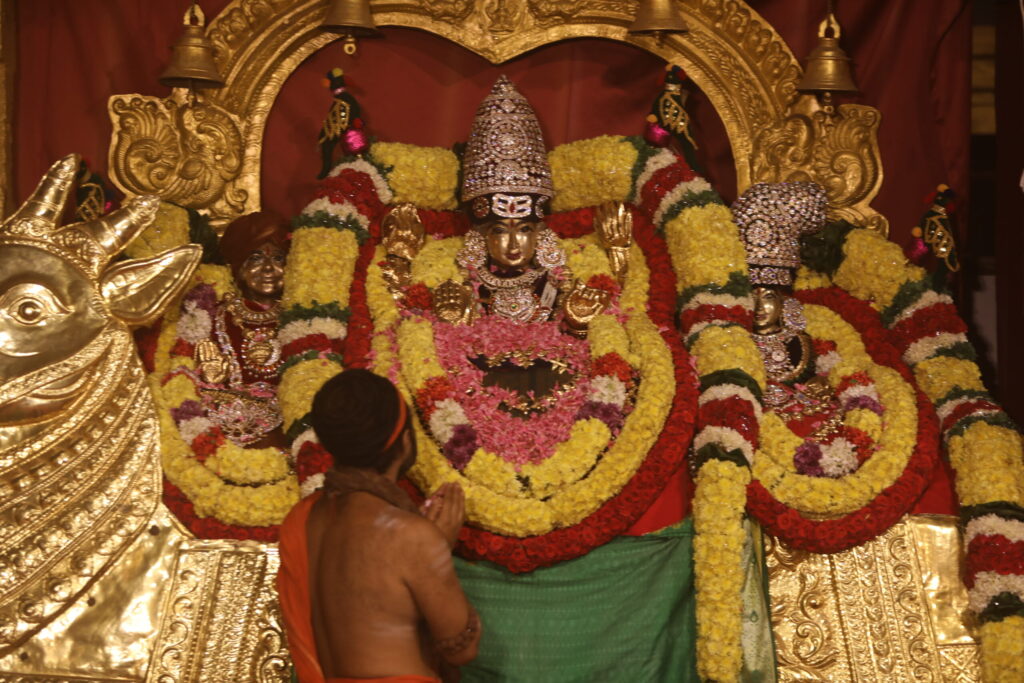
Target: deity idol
{"type": "Point", "coordinates": [513, 261]}
{"type": "Point", "coordinates": [239, 361]}
{"type": "Point", "coordinates": [217, 366]}
{"type": "Point", "coordinates": [772, 218]}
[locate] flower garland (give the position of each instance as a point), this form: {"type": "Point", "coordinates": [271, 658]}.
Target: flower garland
{"type": "Point", "coordinates": [983, 445]}
{"type": "Point", "coordinates": [715, 314]}
{"type": "Point", "coordinates": [315, 308]}
{"type": "Point", "coordinates": [215, 487]}
{"type": "Point", "coordinates": [885, 416]}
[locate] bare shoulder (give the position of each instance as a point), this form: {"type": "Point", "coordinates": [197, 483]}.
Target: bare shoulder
{"type": "Point", "coordinates": [421, 544]}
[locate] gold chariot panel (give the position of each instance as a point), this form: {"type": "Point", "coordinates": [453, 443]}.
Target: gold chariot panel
{"type": "Point", "coordinates": [207, 156]}
{"type": "Point", "coordinates": [890, 609]}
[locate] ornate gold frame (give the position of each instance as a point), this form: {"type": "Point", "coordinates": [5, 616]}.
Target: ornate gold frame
{"type": "Point", "coordinates": [206, 155]}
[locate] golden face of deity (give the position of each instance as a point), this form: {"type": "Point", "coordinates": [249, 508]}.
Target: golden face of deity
{"type": "Point", "coordinates": [767, 310]}
{"type": "Point", "coordinates": [511, 242]}
{"type": "Point", "coordinates": [261, 275]}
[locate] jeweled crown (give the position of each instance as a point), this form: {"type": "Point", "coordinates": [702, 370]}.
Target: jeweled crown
{"type": "Point", "coordinates": [506, 161]}
{"type": "Point", "coordinates": [772, 217]}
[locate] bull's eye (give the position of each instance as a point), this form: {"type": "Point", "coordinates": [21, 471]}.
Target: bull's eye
{"type": "Point", "coordinates": [29, 312]}
{"type": "Point", "coordinates": [32, 304]}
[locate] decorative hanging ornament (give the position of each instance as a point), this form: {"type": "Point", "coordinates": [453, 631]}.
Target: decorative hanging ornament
{"type": "Point", "coordinates": [828, 67]}
{"type": "Point", "coordinates": [192, 65]}
{"type": "Point", "coordinates": [351, 18]}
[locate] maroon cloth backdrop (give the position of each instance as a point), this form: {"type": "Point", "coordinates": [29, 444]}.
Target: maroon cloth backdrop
{"type": "Point", "coordinates": [911, 60]}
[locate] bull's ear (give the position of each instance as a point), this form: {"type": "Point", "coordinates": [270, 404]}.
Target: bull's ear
{"type": "Point", "coordinates": [139, 290]}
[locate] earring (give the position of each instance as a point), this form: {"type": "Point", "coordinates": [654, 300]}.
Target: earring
{"type": "Point", "coordinates": [549, 253]}
{"type": "Point", "coordinates": [473, 254]}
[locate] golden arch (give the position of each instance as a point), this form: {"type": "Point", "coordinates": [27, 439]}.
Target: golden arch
{"type": "Point", "coordinates": [207, 156]}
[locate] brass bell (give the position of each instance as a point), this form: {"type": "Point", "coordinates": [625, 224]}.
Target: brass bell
{"type": "Point", "coordinates": [828, 67]}
{"type": "Point", "coordinates": [352, 18]}
{"type": "Point", "coordinates": [657, 16]}
{"type": "Point", "coordinates": [192, 64]}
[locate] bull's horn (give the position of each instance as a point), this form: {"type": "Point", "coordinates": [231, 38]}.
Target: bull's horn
{"type": "Point", "coordinates": [115, 230]}
{"type": "Point", "coordinates": [41, 211]}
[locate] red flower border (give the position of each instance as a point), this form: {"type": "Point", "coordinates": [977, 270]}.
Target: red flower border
{"type": "Point", "coordinates": [211, 527]}
{"type": "Point", "coordinates": [618, 513]}
{"type": "Point", "coordinates": [834, 535]}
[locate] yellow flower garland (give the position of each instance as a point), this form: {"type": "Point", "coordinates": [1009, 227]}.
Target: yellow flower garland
{"type": "Point", "coordinates": [718, 508]}
{"type": "Point", "coordinates": [170, 229]}
{"type": "Point", "coordinates": [1002, 650]}
{"type": "Point", "coordinates": [987, 463]}
{"type": "Point", "coordinates": [727, 348]}
{"type": "Point", "coordinates": [328, 252]}
{"type": "Point", "coordinates": [424, 176]}
{"type": "Point", "coordinates": [874, 268]}
{"type": "Point", "coordinates": [591, 172]}
{"type": "Point", "coordinates": [704, 246]}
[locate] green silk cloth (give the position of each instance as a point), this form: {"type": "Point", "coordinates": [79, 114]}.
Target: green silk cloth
{"type": "Point", "coordinates": [623, 612]}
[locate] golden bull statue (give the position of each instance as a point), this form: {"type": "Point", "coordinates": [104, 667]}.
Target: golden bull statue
{"type": "Point", "coordinates": [97, 582]}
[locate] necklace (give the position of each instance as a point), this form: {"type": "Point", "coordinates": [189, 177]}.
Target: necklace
{"type": "Point", "coordinates": [775, 353]}
{"type": "Point", "coordinates": [261, 351]}
{"type": "Point", "coordinates": [512, 297]}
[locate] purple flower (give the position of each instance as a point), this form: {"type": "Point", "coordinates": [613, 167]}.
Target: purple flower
{"type": "Point", "coordinates": [203, 295]}
{"type": "Point", "coordinates": [461, 446]}
{"type": "Point", "coordinates": [864, 401]}
{"type": "Point", "coordinates": [186, 411]}
{"type": "Point", "coordinates": [609, 413]}
{"type": "Point", "coordinates": [807, 460]}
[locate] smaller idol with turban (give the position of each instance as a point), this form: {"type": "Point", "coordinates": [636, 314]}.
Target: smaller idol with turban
{"type": "Point", "coordinates": [238, 364]}
{"type": "Point", "coordinates": [814, 391]}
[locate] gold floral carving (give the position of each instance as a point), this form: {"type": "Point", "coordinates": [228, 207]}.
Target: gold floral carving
{"type": "Point", "coordinates": [222, 622]}
{"type": "Point", "coordinates": [189, 153]}
{"type": "Point", "coordinates": [730, 52]}
{"type": "Point", "coordinates": [870, 612]}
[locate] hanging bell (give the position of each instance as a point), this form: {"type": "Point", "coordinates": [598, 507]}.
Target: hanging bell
{"type": "Point", "coordinates": [192, 64]}
{"type": "Point", "coordinates": [828, 67]}
{"type": "Point", "coordinates": [351, 18]}
{"type": "Point", "coordinates": [658, 17]}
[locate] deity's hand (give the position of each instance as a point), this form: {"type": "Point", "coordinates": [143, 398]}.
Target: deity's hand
{"type": "Point", "coordinates": [453, 303]}
{"type": "Point", "coordinates": [614, 223]}
{"type": "Point", "coordinates": [582, 305]}
{"type": "Point", "coordinates": [396, 272]}
{"type": "Point", "coordinates": [213, 367]}
{"type": "Point", "coordinates": [402, 232]}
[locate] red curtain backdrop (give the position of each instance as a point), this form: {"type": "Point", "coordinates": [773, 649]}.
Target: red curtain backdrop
{"type": "Point", "coordinates": [911, 60]}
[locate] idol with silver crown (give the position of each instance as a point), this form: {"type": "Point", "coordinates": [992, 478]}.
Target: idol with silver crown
{"type": "Point", "coordinates": [772, 217]}
{"type": "Point", "coordinates": [514, 267]}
